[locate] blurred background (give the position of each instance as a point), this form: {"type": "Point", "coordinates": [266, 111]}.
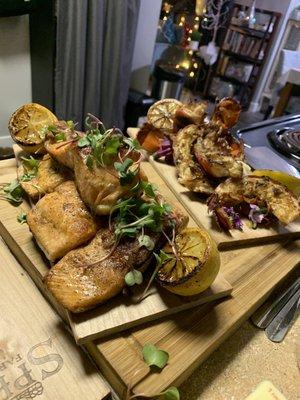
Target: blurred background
{"type": "Point", "coordinates": [115, 58]}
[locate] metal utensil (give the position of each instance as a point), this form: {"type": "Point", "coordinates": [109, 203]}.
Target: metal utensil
{"type": "Point", "coordinates": [265, 314]}
{"type": "Point", "coordinates": [280, 325]}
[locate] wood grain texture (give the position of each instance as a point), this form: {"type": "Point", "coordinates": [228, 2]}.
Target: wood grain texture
{"type": "Point", "coordinates": [191, 336]}
{"type": "Point", "coordinates": [197, 207]}
{"type": "Point", "coordinates": [33, 339]}
{"type": "Point", "coordinates": [117, 314]}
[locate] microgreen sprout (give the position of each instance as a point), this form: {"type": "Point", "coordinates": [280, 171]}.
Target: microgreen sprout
{"type": "Point", "coordinates": [60, 137]}
{"type": "Point", "coordinates": [133, 277]}
{"type": "Point", "coordinates": [154, 356]}
{"type": "Point", "coordinates": [12, 192]}
{"type": "Point", "coordinates": [31, 166]}
{"type": "Point", "coordinates": [22, 218]}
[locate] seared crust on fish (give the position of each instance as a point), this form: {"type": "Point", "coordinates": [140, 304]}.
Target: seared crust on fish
{"type": "Point", "coordinates": [80, 280]}
{"type": "Point", "coordinates": [60, 221]}
{"type": "Point", "coordinates": [50, 174]}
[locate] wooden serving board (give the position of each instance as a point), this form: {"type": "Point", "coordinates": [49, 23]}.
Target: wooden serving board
{"type": "Point", "coordinates": [191, 336]}
{"type": "Point", "coordinates": [117, 314]}
{"type": "Point", "coordinates": [38, 357]}
{"type": "Point", "coordinates": [197, 208]}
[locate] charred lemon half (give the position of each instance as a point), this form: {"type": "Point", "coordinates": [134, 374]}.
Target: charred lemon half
{"type": "Point", "coordinates": [27, 124]}
{"type": "Point", "coordinates": [194, 264]}
{"type": "Point", "coordinates": [162, 113]}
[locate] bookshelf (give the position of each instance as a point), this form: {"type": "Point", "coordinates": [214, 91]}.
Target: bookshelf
{"type": "Point", "coordinates": [242, 55]}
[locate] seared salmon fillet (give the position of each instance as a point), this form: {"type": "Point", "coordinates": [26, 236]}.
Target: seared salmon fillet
{"type": "Point", "coordinates": [80, 280]}
{"type": "Point", "coordinates": [100, 187]}
{"type": "Point", "coordinates": [63, 151]}
{"type": "Point", "coordinates": [60, 221]}
{"type": "Point", "coordinates": [50, 174]}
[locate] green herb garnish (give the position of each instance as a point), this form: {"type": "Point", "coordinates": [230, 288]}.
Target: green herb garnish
{"type": "Point", "coordinates": [60, 137]}
{"type": "Point", "coordinates": [146, 241]}
{"type": "Point", "coordinates": [31, 167]}
{"type": "Point", "coordinates": [13, 192]}
{"type": "Point", "coordinates": [133, 277]}
{"type": "Point", "coordinates": [154, 356]}
{"type": "Point", "coordinates": [126, 175]}
{"type": "Point", "coordinates": [52, 128]}
{"type": "Point", "coordinates": [22, 218]}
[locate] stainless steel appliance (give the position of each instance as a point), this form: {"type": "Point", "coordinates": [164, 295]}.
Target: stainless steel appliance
{"type": "Point", "coordinates": [273, 144]}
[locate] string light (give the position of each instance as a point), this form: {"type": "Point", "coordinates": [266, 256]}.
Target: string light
{"type": "Point", "coordinates": [192, 73]}
{"type": "Point", "coordinates": [180, 24]}
{"type": "Point", "coordinates": [177, 66]}
{"type": "Point", "coordinates": [195, 65]}
{"type": "Point", "coordinates": [190, 52]}
{"type": "Point", "coordinates": [185, 64]}
{"type": "Point", "coordinates": [189, 39]}
{"type": "Point", "coordinates": [196, 26]}
{"type": "Point", "coordinates": [165, 18]}
{"type": "Point", "coordinates": [196, 18]}
{"type": "Point", "coordinates": [182, 19]}
{"type": "Point", "coordinates": [190, 31]}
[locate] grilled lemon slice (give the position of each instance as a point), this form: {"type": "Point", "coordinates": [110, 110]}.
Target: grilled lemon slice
{"type": "Point", "coordinates": [161, 114]}
{"type": "Point", "coordinates": [196, 265]}
{"type": "Point", "coordinates": [26, 125]}
{"type": "Point", "coordinates": [291, 182]}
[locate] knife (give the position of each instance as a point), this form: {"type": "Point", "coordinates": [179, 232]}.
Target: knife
{"type": "Point", "coordinates": [265, 314]}
{"type": "Point", "coordinates": [280, 325]}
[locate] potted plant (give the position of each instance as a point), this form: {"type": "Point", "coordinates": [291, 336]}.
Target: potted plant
{"type": "Point", "coordinates": [195, 40]}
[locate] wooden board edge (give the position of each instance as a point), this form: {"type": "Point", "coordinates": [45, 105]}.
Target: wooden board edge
{"type": "Point", "coordinates": [178, 380]}
{"type": "Point", "coordinates": [106, 369]}
{"type": "Point", "coordinates": [29, 268]}
{"type": "Point", "coordinates": [234, 243]}
{"type": "Point", "coordinates": [165, 313]}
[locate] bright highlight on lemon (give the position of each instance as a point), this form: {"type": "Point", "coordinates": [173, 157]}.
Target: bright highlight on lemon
{"type": "Point", "coordinates": [291, 182]}
{"type": "Point", "coordinates": [26, 125]}
{"type": "Point", "coordinates": [195, 265]}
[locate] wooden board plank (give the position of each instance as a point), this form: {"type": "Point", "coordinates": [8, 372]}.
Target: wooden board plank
{"type": "Point", "coordinates": [119, 313]}
{"type": "Point", "coordinates": [196, 206]}
{"type": "Point", "coordinates": [195, 334]}
{"type": "Point", "coordinates": [37, 355]}
{"type": "Point", "coordinates": [190, 337]}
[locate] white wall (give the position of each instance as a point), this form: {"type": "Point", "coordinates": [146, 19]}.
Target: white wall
{"type": "Point", "coordinates": [15, 78]}
{"type": "Point", "coordinates": [144, 44]}
{"type": "Point", "coordinates": [284, 7]}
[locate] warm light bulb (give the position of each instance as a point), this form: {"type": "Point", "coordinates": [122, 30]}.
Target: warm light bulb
{"type": "Point", "coordinates": [190, 31]}
{"type": "Point", "coordinates": [192, 73]}
{"type": "Point", "coordinates": [191, 52]}
{"type": "Point", "coordinates": [165, 18]}
{"type": "Point", "coordinates": [196, 18]}
{"type": "Point", "coordinates": [196, 26]}
{"type": "Point", "coordinates": [182, 19]}
{"type": "Point", "coordinates": [185, 64]}
{"type": "Point", "coordinates": [180, 23]}
{"type": "Point", "coordinates": [189, 39]}
{"type": "Point", "coordinates": [177, 66]}
{"type": "Point", "coordinates": [195, 65]}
